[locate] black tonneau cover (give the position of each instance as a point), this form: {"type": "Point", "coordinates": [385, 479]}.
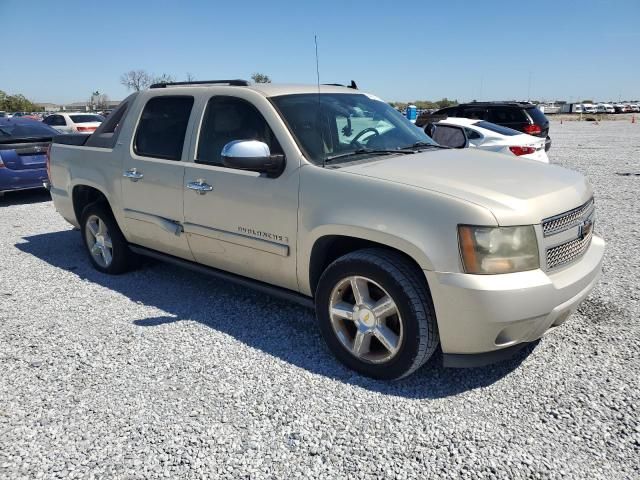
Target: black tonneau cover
{"type": "Point", "coordinates": [77, 139]}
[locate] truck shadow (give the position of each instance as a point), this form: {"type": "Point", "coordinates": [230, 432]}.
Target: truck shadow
{"type": "Point", "coordinates": [278, 328]}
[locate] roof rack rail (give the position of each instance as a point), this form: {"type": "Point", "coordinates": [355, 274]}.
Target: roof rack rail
{"type": "Point", "coordinates": [351, 85]}
{"type": "Point", "coordinates": [234, 83]}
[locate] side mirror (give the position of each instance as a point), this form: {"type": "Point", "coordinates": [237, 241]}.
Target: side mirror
{"type": "Point", "coordinates": [450, 136]}
{"type": "Point", "coordinates": [252, 155]}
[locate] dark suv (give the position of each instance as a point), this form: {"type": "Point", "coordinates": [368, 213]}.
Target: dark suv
{"type": "Point", "coordinates": [522, 116]}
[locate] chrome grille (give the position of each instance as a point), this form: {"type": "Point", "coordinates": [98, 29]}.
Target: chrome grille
{"type": "Point", "coordinates": [568, 252]}
{"type": "Point", "coordinates": [567, 220]}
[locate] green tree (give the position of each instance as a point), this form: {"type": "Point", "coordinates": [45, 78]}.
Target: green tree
{"type": "Point", "coordinates": [260, 78]}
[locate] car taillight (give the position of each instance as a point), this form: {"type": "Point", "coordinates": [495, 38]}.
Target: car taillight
{"type": "Point", "coordinates": [85, 129]}
{"type": "Point", "coordinates": [48, 161]}
{"type": "Point", "coordinates": [522, 150]}
{"type": "Point", "coordinates": [532, 129]}
{"type": "Point", "coordinates": [1, 163]}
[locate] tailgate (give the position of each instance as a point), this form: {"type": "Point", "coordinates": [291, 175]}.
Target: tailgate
{"type": "Point", "coordinates": [24, 155]}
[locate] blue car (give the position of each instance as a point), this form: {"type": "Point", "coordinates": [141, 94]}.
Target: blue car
{"type": "Point", "coordinates": [23, 153]}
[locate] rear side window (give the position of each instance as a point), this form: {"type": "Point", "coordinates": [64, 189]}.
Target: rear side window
{"type": "Point", "coordinates": [507, 115]}
{"type": "Point", "coordinates": [162, 127]}
{"type": "Point", "coordinates": [537, 116]}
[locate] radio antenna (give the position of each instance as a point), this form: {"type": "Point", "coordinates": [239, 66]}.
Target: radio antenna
{"type": "Point", "coordinates": [315, 39]}
{"type": "Point", "coordinates": [318, 116]}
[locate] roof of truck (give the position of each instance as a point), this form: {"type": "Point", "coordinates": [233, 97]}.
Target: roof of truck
{"type": "Point", "coordinates": [267, 89]}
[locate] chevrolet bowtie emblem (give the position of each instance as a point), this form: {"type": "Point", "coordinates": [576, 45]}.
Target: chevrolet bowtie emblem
{"type": "Point", "coordinates": [585, 228]}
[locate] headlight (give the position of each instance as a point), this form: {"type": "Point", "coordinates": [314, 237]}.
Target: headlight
{"type": "Point", "coordinates": [492, 250]}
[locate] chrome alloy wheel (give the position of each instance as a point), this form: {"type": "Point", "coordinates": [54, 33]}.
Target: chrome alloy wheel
{"type": "Point", "coordinates": [365, 319]}
{"type": "Point", "coordinates": [99, 241]}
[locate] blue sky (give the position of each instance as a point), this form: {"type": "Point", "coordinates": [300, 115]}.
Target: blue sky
{"type": "Point", "coordinates": [61, 51]}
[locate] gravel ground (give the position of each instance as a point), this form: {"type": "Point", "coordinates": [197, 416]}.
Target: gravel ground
{"type": "Point", "coordinates": [167, 373]}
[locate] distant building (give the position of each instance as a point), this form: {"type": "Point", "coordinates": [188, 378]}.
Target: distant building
{"type": "Point", "coordinates": [74, 106]}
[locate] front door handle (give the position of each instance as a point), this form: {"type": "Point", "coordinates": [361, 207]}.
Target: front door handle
{"type": "Point", "coordinates": [200, 186]}
{"type": "Point", "coordinates": [133, 174]}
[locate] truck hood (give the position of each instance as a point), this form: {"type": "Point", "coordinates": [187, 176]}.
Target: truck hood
{"type": "Point", "coordinates": [517, 191]}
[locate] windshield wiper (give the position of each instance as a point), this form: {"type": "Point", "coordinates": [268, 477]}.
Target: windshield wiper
{"type": "Point", "coordinates": [363, 151]}
{"type": "Point", "coordinates": [425, 144]}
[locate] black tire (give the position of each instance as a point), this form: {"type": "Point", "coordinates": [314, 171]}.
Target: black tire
{"type": "Point", "coordinates": [123, 259]}
{"type": "Point", "coordinates": [407, 286]}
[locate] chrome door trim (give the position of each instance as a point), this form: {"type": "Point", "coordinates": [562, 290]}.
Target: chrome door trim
{"type": "Point", "coordinates": [171, 226]}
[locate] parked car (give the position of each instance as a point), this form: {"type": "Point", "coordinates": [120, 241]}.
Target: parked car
{"type": "Point", "coordinates": [23, 147]}
{"type": "Point", "coordinates": [605, 108]}
{"type": "Point", "coordinates": [521, 116]}
{"type": "Point", "coordinates": [399, 244]}
{"type": "Point", "coordinates": [589, 108]}
{"type": "Point", "coordinates": [634, 107]}
{"type": "Point", "coordinates": [85, 123]}
{"type": "Point", "coordinates": [458, 132]}
{"type": "Point", "coordinates": [620, 108]}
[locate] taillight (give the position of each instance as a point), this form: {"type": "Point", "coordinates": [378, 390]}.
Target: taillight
{"type": "Point", "coordinates": [532, 129]}
{"type": "Point", "coordinates": [48, 161]}
{"type": "Point", "coordinates": [85, 129]}
{"type": "Point", "coordinates": [1, 163]}
{"type": "Point", "coordinates": [522, 150]}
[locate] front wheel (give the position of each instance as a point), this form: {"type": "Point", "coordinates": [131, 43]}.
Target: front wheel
{"type": "Point", "coordinates": [376, 314]}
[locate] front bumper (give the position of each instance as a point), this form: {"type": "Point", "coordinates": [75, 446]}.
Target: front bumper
{"type": "Point", "coordinates": [478, 314]}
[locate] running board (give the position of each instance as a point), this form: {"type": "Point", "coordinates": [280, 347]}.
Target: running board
{"type": "Point", "coordinates": [279, 292]}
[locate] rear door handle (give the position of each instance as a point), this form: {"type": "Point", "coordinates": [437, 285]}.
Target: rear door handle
{"type": "Point", "coordinates": [133, 174]}
{"type": "Point", "coordinates": [200, 186]}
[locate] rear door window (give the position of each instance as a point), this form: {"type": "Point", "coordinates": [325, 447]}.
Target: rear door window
{"type": "Point", "coordinates": [479, 113]}
{"type": "Point", "coordinates": [504, 115]}
{"type": "Point", "coordinates": [162, 127]}
{"type": "Point", "coordinates": [55, 120]}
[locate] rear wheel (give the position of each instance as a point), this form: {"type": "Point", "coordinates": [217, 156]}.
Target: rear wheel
{"type": "Point", "coordinates": [108, 249]}
{"type": "Point", "coordinates": [376, 314]}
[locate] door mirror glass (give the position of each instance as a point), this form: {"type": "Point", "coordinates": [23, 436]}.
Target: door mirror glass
{"type": "Point", "coordinates": [252, 155]}
{"type": "Point", "coordinates": [449, 136]}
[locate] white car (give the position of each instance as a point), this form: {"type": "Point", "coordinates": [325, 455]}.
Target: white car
{"type": "Point", "coordinates": [589, 108]}
{"type": "Point", "coordinates": [605, 108]}
{"type": "Point", "coordinates": [459, 132]}
{"type": "Point", "coordinates": [74, 122]}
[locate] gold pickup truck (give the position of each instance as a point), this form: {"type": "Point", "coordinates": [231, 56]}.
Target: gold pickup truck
{"type": "Point", "coordinates": [329, 197]}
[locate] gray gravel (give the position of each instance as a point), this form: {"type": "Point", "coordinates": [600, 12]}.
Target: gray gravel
{"type": "Point", "coordinates": [167, 373]}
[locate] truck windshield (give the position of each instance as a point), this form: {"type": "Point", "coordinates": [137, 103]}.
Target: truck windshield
{"type": "Point", "coordinates": [328, 125]}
